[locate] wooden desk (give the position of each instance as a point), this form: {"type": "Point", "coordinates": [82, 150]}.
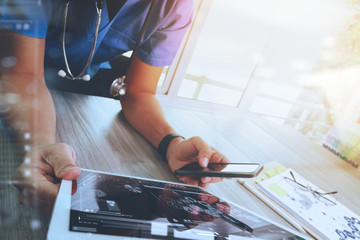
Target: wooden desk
{"type": "Point", "coordinates": [103, 140]}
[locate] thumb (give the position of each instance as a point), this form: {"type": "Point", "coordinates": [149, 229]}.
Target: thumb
{"type": "Point", "coordinates": [61, 157]}
{"type": "Point", "coordinates": [203, 149]}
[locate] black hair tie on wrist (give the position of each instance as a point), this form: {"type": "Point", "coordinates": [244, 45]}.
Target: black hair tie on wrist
{"type": "Point", "coordinates": [164, 144]}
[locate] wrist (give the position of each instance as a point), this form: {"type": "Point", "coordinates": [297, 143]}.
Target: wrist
{"type": "Point", "coordinates": [167, 143]}
{"type": "Point", "coordinates": [173, 146]}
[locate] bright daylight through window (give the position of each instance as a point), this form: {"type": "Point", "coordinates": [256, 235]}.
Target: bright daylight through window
{"type": "Point", "coordinates": [292, 62]}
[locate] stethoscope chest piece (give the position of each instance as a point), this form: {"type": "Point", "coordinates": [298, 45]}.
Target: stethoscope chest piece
{"type": "Point", "coordinates": [118, 87]}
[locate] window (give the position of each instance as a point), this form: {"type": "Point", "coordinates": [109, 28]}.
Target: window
{"type": "Point", "coordinates": [293, 62]}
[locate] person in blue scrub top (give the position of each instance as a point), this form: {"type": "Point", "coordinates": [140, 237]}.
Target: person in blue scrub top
{"type": "Point", "coordinates": [31, 53]}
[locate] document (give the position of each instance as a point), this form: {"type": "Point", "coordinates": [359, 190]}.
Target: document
{"type": "Point", "coordinates": [271, 169]}
{"type": "Point", "coordinates": [325, 216]}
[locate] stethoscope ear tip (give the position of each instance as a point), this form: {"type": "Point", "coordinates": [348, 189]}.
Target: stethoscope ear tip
{"type": "Point", "coordinates": [86, 77]}
{"type": "Point", "coordinates": [61, 73]}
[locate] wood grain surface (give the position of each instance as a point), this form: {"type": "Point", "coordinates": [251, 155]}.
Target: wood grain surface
{"type": "Point", "coordinates": [104, 140]}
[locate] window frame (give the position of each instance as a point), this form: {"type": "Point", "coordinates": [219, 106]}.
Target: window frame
{"type": "Point", "coordinates": [167, 93]}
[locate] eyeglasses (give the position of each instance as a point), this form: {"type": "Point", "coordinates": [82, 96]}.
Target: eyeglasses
{"type": "Point", "coordinates": [308, 188]}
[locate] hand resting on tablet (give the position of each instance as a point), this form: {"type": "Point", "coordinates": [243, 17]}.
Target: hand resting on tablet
{"type": "Point", "coordinates": [38, 177]}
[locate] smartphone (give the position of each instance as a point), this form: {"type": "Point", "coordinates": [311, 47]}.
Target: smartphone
{"type": "Point", "coordinates": [232, 170]}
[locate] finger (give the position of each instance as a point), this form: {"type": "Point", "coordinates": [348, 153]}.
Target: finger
{"type": "Point", "coordinates": [62, 158]}
{"type": "Point", "coordinates": [39, 194]}
{"type": "Point", "coordinates": [36, 191]}
{"type": "Point", "coordinates": [25, 200]}
{"type": "Point", "coordinates": [16, 179]}
{"type": "Point", "coordinates": [211, 179]}
{"type": "Point", "coordinates": [203, 185]}
{"type": "Point", "coordinates": [218, 157]}
{"type": "Point", "coordinates": [74, 187]}
{"type": "Point", "coordinates": [224, 207]}
{"type": "Point", "coordinates": [189, 180]}
{"type": "Point", "coordinates": [203, 149]}
{"type": "Point", "coordinates": [39, 187]}
{"type": "Point", "coordinates": [26, 174]}
{"type": "Point", "coordinates": [206, 179]}
{"type": "Point", "coordinates": [36, 203]}
{"type": "Point", "coordinates": [21, 176]}
{"type": "Point", "coordinates": [208, 198]}
{"type": "Point", "coordinates": [45, 190]}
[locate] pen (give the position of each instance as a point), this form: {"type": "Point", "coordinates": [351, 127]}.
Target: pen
{"type": "Point", "coordinates": [273, 206]}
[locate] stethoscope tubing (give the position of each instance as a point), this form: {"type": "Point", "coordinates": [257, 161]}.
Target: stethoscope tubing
{"type": "Point", "coordinates": [118, 86]}
{"type": "Point", "coordinates": [98, 20]}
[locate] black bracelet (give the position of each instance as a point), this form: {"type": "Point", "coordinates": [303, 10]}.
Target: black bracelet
{"type": "Point", "coordinates": [164, 144]}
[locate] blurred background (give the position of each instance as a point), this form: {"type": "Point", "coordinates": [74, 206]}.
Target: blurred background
{"type": "Point", "coordinates": [294, 63]}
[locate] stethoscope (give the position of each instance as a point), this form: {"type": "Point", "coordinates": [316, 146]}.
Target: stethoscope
{"type": "Point", "coordinates": [118, 87]}
{"type": "Point", "coordinates": [68, 74]}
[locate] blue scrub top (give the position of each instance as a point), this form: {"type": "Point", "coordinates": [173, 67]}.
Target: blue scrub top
{"type": "Point", "coordinates": [44, 19]}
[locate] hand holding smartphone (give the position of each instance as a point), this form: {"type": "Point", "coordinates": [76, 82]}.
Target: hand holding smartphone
{"type": "Point", "coordinates": [228, 170]}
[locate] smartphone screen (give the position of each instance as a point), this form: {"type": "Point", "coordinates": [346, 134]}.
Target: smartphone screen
{"type": "Point", "coordinates": [244, 170]}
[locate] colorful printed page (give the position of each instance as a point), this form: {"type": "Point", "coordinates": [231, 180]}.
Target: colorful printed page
{"type": "Point", "coordinates": [328, 220]}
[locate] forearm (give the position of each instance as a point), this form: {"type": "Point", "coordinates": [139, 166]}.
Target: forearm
{"type": "Point", "coordinates": [32, 117]}
{"type": "Point", "coordinates": [144, 113]}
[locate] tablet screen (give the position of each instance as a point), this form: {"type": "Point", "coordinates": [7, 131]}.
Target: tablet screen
{"type": "Point", "coordinates": [135, 207]}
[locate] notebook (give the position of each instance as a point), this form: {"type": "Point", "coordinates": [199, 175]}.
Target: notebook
{"type": "Point", "coordinates": [327, 220]}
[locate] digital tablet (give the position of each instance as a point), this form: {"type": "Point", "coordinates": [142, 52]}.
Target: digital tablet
{"type": "Point", "coordinates": [103, 206]}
